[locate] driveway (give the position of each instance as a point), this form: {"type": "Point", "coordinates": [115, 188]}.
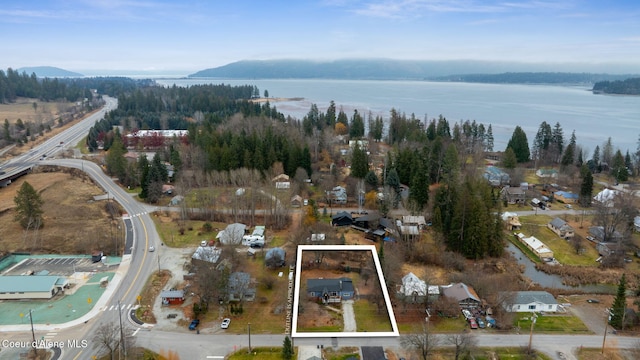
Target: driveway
{"type": "Point", "coordinates": [348, 316]}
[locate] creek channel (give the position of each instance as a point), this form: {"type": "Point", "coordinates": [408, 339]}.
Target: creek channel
{"type": "Point", "coordinates": [550, 280]}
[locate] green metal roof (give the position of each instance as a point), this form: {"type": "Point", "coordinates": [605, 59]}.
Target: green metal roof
{"type": "Point", "coordinates": [27, 283]}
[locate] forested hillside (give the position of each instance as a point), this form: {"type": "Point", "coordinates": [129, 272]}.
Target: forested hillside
{"type": "Point", "coordinates": [620, 87]}
{"type": "Point", "coordinates": [14, 84]}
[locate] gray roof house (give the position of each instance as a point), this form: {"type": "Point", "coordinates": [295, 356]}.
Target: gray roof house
{"type": "Point", "coordinates": [233, 234]}
{"type": "Point", "coordinates": [561, 228]}
{"type": "Point", "coordinates": [598, 233]}
{"type": "Point", "coordinates": [530, 301]}
{"type": "Point", "coordinates": [31, 287]}
{"type": "Point", "coordinates": [239, 287]}
{"type": "Point", "coordinates": [463, 294]}
{"type": "Point", "coordinates": [330, 290]}
{"type": "Point", "coordinates": [513, 195]}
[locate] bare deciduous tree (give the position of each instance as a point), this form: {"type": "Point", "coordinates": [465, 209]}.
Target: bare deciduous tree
{"type": "Point", "coordinates": [463, 343]}
{"type": "Point", "coordinates": [422, 343]}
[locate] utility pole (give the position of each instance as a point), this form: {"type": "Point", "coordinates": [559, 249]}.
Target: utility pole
{"type": "Point", "coordinates": [33, 334]}
{"type": "Point", "coordinates": [606, 328]}
{"type": "Point", "coordinates": [533, 322]}
{"type": "Point", "coordinates": [124, 347]}
{"type": "Point", "coordinates": [249, 327]}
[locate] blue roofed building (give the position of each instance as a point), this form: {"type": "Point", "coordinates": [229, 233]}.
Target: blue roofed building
{"type": "Point", "coordinates": [495, 176]}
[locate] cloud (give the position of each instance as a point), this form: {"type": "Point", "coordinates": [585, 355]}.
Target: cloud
{"type": "Point", "coordinates": [417, 8]}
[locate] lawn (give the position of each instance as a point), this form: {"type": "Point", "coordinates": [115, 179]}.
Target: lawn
{"type": "Point", "coordinates": [192, 234]}
{"type": "Point", "coordinates": [262, 353]}
{"type": "Point", "coordinates": [563, 251]}
{"type": "Point", "coordinates": [368, 318]}
{"type": "Point", "coordinates": [553, 324]}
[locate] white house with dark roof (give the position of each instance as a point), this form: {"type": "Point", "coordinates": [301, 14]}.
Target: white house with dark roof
{"type": "Point", "coordinates": [530, 301]}
{"type": "Point", "coordinates": [31, 287]}
{"type": "Point", "coordinates": [561, 228]}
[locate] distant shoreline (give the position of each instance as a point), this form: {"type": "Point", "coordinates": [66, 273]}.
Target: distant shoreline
{"type": "Point", "coordinates": [276, 99]}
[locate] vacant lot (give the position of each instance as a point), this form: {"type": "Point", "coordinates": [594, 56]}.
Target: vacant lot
{"type": "Point", "coordinates": [73, 222]}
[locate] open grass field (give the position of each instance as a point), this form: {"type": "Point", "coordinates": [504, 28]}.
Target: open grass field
{"type": "Point", "coordinates": [24, 109]}
{"type": "Point", "coordinates": [73, 222]}
{"type": "Point", "coordinates": [553, 324]}
{"type": "Point", "coordinates": [368, 319]}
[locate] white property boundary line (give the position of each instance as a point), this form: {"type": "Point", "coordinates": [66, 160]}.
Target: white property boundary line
{"type": "Point", "coordinates": [383, 285]}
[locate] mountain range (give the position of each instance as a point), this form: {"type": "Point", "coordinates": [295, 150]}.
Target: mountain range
{"type": "Point", "coordinates": [49, 71]}
{"type": "Point", "coordinates": [387, 69]}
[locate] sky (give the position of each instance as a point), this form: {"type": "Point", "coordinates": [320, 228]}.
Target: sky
{"type": "Point", "coordinates": [182, 37]}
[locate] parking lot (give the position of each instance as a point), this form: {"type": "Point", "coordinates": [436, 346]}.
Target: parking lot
{"type": "Point", "coordinates": [63, 266]}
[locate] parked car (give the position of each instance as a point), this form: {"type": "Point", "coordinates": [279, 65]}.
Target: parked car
{"type": "Point", "coordinates": [152, 248]}
{"type": "Point", "coordinates": [194, 324]}
{"type": "Point", "coordinates": [225, 323]}
{"type": "Point", "coordinates": [467, 314]}
{"type": "Point", "coordinates": [593, 301]}
{"type": "Point", "coordinates": [481, 323]}
{"type": "Point", "coordinates": [472, 323]}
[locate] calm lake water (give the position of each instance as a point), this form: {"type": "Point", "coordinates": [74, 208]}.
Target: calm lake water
{"type": "Point", "coordinates": [593, 117]}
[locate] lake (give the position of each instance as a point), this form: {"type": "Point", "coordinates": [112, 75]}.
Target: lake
{"type": "Point", "coordinates": [593, 117]}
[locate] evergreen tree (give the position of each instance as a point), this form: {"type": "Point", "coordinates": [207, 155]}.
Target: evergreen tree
{"type": "Point", "coordinates": [116, 163]}
{"type": "Point", "coordinates": [287, 349]}
{"type": "Point", "coordinates": [371, 179]}
{"type": "Point", "coordinates": [619, 304]}
{"type": "Point", "coordinates": [542, 141]}
{"type": "Point", "coordinates": [330, 117]}
{"type": "Point", "coordinates": [488, 139]}
{"type": "Point", "coordinates": [356, 128]}
{"type": "Point", "coordinates": [393, 181]}
{"type": "Point", "coordinates": [570, 152]}
{"type": "Point", "coordinates": [419, 185]}
{"type": "Point", "coordinates": [359, 162]}
{"type": "Point", "coordinates": [557, 139]}
{"type": "Point", "coordinates": [618, 167]}
{"type": "Point", "coordinates": [519, 144]}
{"type": "Point", "coordinates": [509, 160]}
{"type": "Point", "coordinates": [28, 207]}
{"type": "Point", "coordinates": [586, 187]}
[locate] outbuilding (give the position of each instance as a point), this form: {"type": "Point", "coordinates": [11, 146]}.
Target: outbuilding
{"type": "Point", "coordinates": [172, 297]}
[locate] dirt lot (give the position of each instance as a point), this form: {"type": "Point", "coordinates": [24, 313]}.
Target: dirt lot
{"type": "Point", "coordinates": [71, 217]}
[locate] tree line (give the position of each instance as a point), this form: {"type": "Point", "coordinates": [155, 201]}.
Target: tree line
{"type": "Point", "coordinates": [621, 87]}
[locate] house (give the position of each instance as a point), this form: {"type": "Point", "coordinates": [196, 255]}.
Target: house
{"type": "Point", "coordinates": [567, 197]}
{"type": "Point", "coordinates": [495, 156]}
{"type": "Point", "coordinates": [338, 195]}
{"type": "Point", "coordinates": [296, 201]}
{"type": "Point", "coordinates": [210, 254]}
{"type": "Point", "coordinates": [282, 182]}
{"type": "Point", "coordinates": [172, 297]}
{"type": "Point", "coordinates": [374, 235]}
{"type": "Point", "coordinates": [599, 234]}
{"type": "Point", "coordinates": [547, 173]}
{"type": "Point", "coordinates": [530, 301]}
{"type": "Point", "coordinates": [463, 294]}
{"type": "Point", "coordinates": [275, 257]}
{"type": "Point", "coordinates": [31, 287]}
{"type": "Point", "coordinates": [233, 234]}
{"type": "Point", "coordinates": [513, 195]}
{"type": "Point", "coordinates": [412, 289]}
{"type": "Point", "coordinates": [414, 220]}
{"type": "Point", "coordinates": [239, 287]}
{"type": "Point", "coordinates": [606, 197]}
{"type": "Point", "coordinates": [365, 221]}
{"type": "Point", "coordinates": [342, 218]}
{"type": "Point", "coordinates": [606, 249]}
{"type": "Point", "coordinates": [511, 220]}
{"type": "Point", "coordinates": [495, 176]}
{"type": "Point", "coordinates": [330, 290]}
{"type": "Point", "coordinates": [389, 228]}
{"type": "Point", "coordinates": [561, 228]}
{"type": "Point", "coordinates": [535, 245]}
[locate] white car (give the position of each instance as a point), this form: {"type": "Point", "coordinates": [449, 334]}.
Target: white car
{"type": "Point", "coordinates": [225, 323]}
{"type": "Point", "coordinates": [152, 248]}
